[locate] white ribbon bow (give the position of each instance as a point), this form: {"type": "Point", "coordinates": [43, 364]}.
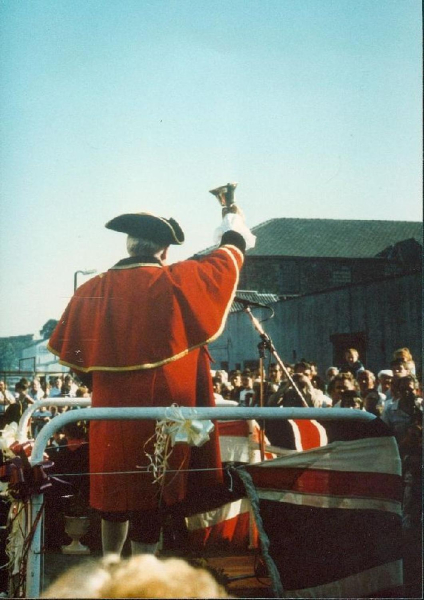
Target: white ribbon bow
{"type": "Point", "coordinates": [193, 432]}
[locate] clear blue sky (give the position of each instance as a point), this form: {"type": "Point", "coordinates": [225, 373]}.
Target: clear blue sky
{"type": "Point", "coordinates": [313, 106]}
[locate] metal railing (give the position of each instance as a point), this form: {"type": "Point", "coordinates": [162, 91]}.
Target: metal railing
{"type": "Point", "coordinates": [26, 416]}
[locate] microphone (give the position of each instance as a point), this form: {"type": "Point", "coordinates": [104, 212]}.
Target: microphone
{"type": "Point", "coordinates": [250, 303]}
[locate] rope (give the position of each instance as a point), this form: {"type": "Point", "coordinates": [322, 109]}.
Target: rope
{"type": "Point", "coordinates": [140, 471]}
{"type": "Point", "coordinates": [277, 586]}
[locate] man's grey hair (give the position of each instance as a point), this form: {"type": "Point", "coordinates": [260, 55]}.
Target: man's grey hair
{"type": "Point", "coordinates": [141, 247]}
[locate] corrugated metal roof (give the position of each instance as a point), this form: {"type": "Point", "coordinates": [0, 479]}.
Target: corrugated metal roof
{"type": "Point", "coordinates": [331, 238]}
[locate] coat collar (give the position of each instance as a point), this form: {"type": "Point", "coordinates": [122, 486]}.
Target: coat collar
{"type": "Point", "coordinates": [137, 261]}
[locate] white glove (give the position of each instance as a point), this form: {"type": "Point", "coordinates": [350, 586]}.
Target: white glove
{"type": "Point", "coordinates": [234, 222]}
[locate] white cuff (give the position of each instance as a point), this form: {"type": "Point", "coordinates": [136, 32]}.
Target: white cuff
{"type": "Point", "coordinates": [234, 222]}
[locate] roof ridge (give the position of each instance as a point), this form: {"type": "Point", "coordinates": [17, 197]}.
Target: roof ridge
{"type": "Point", "coordinates": [338, 220]}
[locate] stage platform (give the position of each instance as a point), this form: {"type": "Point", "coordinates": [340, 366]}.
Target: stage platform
{"type": "Point", "coordinates": [236, 571]}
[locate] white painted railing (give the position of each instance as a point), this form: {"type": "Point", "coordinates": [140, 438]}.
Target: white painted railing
{"type": "Point", "coordinates": [32, 408]}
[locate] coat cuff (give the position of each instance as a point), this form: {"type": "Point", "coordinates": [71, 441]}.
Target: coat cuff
{"type": "Point", "coordinates": [234, 239]}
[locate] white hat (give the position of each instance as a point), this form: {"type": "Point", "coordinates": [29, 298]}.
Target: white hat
{"type": "Point", "coordinates": [387, 372]}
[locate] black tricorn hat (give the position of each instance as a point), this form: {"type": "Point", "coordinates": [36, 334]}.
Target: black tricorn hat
{"type": "Point", "coordinates": [147, 226]}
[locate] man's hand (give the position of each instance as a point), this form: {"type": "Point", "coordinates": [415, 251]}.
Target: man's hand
{"type": "Point", "coordinates": [232, 209]}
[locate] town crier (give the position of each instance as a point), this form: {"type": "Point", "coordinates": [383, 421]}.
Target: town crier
{"type": "Point", "coordinates": [140, 332]}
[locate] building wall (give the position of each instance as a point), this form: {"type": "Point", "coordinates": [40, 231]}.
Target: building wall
{"type": "Point", "coordinates": [284, 275]}
{"type": "Point", "coordinates": [387, 312]}
{"type": "Point", "coordinates": [39, 356]}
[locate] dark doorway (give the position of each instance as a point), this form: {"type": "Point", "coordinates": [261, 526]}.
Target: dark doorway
{"type": "Point", "coordinates": [342, 341]}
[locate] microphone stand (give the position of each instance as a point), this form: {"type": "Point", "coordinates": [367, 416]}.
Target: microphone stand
{"type": "Point", "coordinates": [261, 348]}
{"type": "Point", "coordinates": [266, 343]}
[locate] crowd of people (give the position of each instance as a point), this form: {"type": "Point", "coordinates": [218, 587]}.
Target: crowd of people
{"type": "Point", "coordinates": [394, 394]}
{"type": "Point", "coordinates": [28, 392]}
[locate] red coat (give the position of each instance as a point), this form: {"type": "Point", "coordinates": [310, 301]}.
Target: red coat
{"type": "Point", "coordinates": [141, 329]}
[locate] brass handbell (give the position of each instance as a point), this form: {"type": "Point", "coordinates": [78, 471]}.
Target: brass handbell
{"type": "Point", "coordinates": [225, 194]}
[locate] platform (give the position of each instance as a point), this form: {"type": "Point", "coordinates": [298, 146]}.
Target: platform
{"type": "Point", "coordinates": [236, 570]}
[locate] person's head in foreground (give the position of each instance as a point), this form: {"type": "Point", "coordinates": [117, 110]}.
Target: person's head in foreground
{"type": "Point", "coordinates": [143, 576]}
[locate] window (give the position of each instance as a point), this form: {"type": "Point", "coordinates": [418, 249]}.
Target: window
{"type": "Point", "coordinates": [341, 276]}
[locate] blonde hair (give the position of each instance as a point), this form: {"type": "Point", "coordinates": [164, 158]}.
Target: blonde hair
{"type": "Point", "coordinates": [404, 353]}
{"type": "Point", "coordinates": [352, 351]}
{"type": "Point", "coordinates": [143, 576]}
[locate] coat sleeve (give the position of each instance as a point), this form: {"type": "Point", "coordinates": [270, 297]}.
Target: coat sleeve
{"type": "Point", "coordinates": [204, 290]}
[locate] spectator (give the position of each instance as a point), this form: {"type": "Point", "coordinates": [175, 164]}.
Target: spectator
{"type": "Point", "coordinates": [216, 385]}
{"type": "Point", "coordinates": [222, 373]}
{"type": "Point", "coordinates": [291, 398]}
{"type": "Point", "coordinates": [352, 363]}
{"type": "Point", "coordinates": [56, 442]}
{"type": "Point", "coordinates": [139, 577]}
{"type": "Point", "coordinates": [222, 393]}
{"type": "Point", "coordinates": [339, 384]}
{"type": "Point", "coordinates": [82, 392]}
{"type": "Point", "coordinates": [404, 417]}
{"type": "Point", "coordinates": [235, 380]}
{"type": "Point", "coordinates": [330, 373]}
{"type": "Point", "coordinates": [399, 368]}
{"type": "Point", "coordinates": [65, 390]}
{"type": "Point", "coordinates": [70, 385]}
{"type": "Point", "coordinates": [24, 381]}
{"type": "Point", "coordinates": [314, 397]}
{"type": "Point", "coordinates": [35, 391]}
{"type": "Point", "coordinates": [317, 381]}
{"type": "Point", "coordinates": [303, 368]}
{"type": "Point", "coordinates": [6, 397]}
{"type": "Point", "coordinates": [56, 388]}
{"type": "Point", "coordinates": [289, 369]}
{"type": "Point", "coordinates": [385, 378]}
{"type": "Point", "coordinates": [73, 458]}
{"type": "Point", "coordinates": [410, 365]}
{"type": "Point", "coordinates": [351, 399]}
{"type": "Point", "coordinates": [257, 375]}
{"type": "Point", "coordinates": [405, 411]}
{"type": "Point", "coordinates": [45, 386]}
{"type": "Point", "coordinates": [367, 383]}
{"type": "Point", "coordinates": [272, 384]}
{"type": "Point", "coordinates": [373, 404]}
{"type": "Point", "coordinates": [39, 418]}
{"type": "Point", "coordinates": [246, 393]}
{"type": "Point", "coordinates": [22, 396]}
{"type": "Point", "coordinates": [303, 384]}
{"type": "Point", "coordinates": [405, 355]}
{"type": "Point", "coordinates": [226, 391]}
{"type": "Point", "coordinates": [22, 400]}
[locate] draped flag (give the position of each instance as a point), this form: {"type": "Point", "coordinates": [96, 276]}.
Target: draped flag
{"type": "Point", "coordinates": [230, 524]}
{"type": "Point", "coordinates": [239, 442]}
{"type": "Point", "coordinates": [333, 513]}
